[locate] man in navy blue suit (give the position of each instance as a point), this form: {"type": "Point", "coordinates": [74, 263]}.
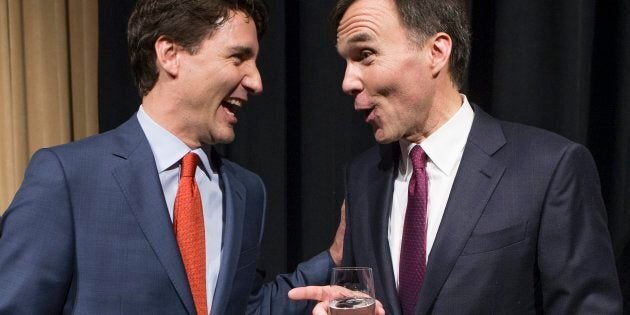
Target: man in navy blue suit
{"type": "Point", "coordinates": [458, 212]}
{"type": "Point", "coordinates": [91, 229]}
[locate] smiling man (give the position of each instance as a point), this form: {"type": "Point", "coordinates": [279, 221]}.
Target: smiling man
{"type": "Point", "coordinates": [148, 218]}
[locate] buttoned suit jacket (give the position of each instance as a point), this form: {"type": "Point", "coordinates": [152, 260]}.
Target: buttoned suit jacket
{"type": "Point", "coordinates": [524, 230]}
{"type": "Point", "coordinates": [89, 232]}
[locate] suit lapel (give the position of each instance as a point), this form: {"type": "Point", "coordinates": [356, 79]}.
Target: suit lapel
{"type": "Point", "coordinates": [138, 179]}
{"type": "Point", "coordinates": [234, 195]}
{"type": "Point", "coordinates": [380, 193]}
{"type": "Point", "coordinates": [476, 179]}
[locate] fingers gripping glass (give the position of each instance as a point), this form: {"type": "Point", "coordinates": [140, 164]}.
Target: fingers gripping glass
{"type": "Point", "coordinates": [354, 287]}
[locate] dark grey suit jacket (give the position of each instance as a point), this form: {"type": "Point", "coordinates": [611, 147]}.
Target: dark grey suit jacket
{"type": "Point", "coordinates": [89, 233]}
{"type": "Point", "coordinates": [524, 230]}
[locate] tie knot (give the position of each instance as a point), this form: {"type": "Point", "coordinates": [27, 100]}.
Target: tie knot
{"type": "Point", "coordinates": [189, 164]}
{"type": "Point", "coordinates": [418, 157]}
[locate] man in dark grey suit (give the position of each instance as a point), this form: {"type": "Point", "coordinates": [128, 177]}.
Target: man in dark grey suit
{"type": "Point", "coordinates": [92, 230]}
{"type": "Point", "coordinates": [457, 212]}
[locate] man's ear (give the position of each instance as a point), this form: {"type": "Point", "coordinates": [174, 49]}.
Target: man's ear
{"type": "Point", "coordinates": [440, 45]}
{"type": "Point", "coordinates": [167, 55]}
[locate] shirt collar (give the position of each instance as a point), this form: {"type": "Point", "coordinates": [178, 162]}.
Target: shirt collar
{"type": "Point", "coordinates": [445, 145]}
{"type": "Point", "coordinates": [167, 149]}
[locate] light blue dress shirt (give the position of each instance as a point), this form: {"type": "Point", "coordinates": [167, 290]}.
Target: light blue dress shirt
{"type": "Point", "coordinates": [168, 150]}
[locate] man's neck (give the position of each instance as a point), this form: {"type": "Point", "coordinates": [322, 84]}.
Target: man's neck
{"type": "Point", "coordinates": [163, 109]}
{"type": "Point", "coordinates": [443, 107]}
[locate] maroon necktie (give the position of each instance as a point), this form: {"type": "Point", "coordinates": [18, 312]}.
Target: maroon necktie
{"type": "Point", "coordinates": [413, 249]}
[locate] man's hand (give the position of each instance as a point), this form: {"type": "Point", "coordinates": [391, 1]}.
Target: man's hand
{"type": "Point", "coordinates": [336, 249]}
{"type": "Point", "coordinates": [324, 294]}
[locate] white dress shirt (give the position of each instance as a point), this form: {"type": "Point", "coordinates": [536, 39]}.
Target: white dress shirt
{"type": "Point", "coordinates": [168, 150]}
{"type": "Point", "coordinates": [444, 149]}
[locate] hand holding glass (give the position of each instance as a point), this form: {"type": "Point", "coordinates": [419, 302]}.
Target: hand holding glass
{"type": "Point", "coordinates": [356, 289]}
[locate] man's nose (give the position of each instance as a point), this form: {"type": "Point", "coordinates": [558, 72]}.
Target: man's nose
{"type": "Point", "coordinates": [352, 84]}
{"type": "Point", "coordinates": [253, 82]}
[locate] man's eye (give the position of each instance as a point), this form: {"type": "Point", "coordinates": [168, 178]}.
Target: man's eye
{"type": "Point", "coordinates": [365, 55]}
{"type": "Point", "coordinates": [238, 59]}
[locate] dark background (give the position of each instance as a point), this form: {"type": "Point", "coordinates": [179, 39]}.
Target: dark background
{"type": "Point", "coordinates": [562, 65]}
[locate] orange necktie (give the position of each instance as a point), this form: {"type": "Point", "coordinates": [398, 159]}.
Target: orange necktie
{"type": "Point", "coordinates": [189, 231]}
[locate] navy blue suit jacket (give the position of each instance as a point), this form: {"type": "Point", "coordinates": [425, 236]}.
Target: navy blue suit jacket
{"type": "Point", "coordinates": [524, 230]}
{"type": "Point", "coordinates": [89, 232]}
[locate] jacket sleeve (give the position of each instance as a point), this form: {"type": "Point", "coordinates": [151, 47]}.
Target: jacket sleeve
{"type": "Point", "coordinates": [272, 297]}
{"type": "Point", "coordinates": [36, 241]}
{"type": "Point", "coordinates": [576, 261]}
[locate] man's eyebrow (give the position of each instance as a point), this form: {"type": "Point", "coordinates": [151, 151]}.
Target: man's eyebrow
{"type": "Point", "coordinates": [359, 38]}
{"type": "Point", "coordinates": [242, 50]}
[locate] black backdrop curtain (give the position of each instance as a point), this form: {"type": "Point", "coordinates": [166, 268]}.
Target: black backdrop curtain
{"type": "Point", "coordinates": [562, 65]}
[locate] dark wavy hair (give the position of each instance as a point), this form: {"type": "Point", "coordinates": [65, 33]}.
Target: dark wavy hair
{"type": "Point", "coordinates": [423, 19]}
{"type": "Point", "coordinates": [186, 22]}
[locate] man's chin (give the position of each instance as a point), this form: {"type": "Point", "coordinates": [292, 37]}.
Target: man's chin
{"type": "Point", "coordinates": [382, 138]}
{"type": "Point", "coordinates": [224, 138]}
{"type": "Point", "coordinates": [386, 141]}
{"type": "Point", "coordinates": [227, 140]}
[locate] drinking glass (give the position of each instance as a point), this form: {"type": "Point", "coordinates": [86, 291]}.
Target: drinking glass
{"type": "Point", "coordinates": [355, 286]}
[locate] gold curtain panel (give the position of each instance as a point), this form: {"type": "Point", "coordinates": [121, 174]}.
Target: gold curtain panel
{"type": "Point", "coordinates": [48, 80]}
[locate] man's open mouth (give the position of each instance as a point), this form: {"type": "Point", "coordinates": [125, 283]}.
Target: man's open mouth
{"type": "Point", "coordinates": [232, 105]}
